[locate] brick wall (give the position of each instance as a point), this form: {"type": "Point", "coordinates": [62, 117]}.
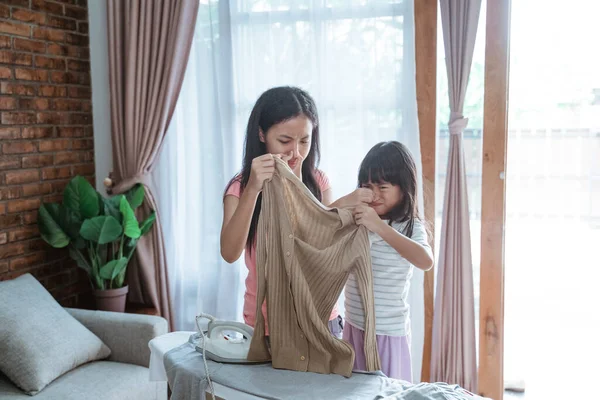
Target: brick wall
{"type": "Point", "coordinates": [45, 133]}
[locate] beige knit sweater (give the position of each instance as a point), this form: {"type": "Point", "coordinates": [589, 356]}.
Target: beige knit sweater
{"type": "Point", "coordinates": [302, 269]}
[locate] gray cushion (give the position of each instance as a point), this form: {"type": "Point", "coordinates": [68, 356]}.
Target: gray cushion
{"type": "Point", "coordinates": [39, 340]}
{"type": "Point", "coordinates": [103, 380]}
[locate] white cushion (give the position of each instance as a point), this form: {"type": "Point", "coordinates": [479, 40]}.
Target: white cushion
{"type": "Point", "coordinates": [39, 340]}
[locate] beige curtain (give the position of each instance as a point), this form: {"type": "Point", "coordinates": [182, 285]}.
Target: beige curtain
{"type": "Point", "coordinates": [148, 45]}
{"type": "Point", "coordinates": [453, 357]}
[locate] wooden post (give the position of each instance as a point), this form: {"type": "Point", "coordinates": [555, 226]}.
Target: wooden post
{"type": "Point", "coordinates": [495, 128]}
{"type": "Point", "coordinates": [426, 61]}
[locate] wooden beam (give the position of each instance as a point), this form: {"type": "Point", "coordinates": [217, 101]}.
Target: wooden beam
{"type": "Point", "coordinates": [426, 61]}
{"type": "Point", "coordinates": [493, 189]}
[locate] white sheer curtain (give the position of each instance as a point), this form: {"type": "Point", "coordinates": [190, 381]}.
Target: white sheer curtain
{"type": "Point", "coordinates": [356, 58]}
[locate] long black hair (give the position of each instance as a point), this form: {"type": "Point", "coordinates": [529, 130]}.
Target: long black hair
{"type": "Point", "coordinates": [392, 162]}
{"type": "Point", "coordinates": [274, 106]}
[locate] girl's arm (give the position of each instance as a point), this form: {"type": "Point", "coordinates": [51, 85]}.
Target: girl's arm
{"type": "Point", "coordinates": [418, 255]}
{"type": "Point", "coordinates": [237, 215]}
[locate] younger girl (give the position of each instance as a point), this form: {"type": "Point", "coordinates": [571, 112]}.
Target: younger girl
{"type": "Point", "coordinates": [398, 242]}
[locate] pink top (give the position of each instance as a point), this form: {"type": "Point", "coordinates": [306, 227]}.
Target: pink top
{"type": "Point", "coordinates": [250, 258]}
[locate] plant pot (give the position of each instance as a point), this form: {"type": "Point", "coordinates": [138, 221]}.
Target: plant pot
{"type": "Point", "coordinates": [111, 299]}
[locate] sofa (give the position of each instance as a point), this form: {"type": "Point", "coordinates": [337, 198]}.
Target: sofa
{"type": "Point", "coordinates": [124, 374]}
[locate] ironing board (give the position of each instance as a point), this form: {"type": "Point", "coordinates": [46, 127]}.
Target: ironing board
{"type": "Point", "coordinates": [160, 345]}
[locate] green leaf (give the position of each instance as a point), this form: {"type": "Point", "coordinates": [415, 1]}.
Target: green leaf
{"type": "Point", "coordinates": [147, 224]}
{"type": "Point", "coordinates": [111, 207]}
{"type": "Point", "coordinates": [103, 229]}
{"type": "Point", "coordinates": [70, 222]}
{"type": "Point", "coordinates": [131, 227]}
{"type": "Point", "coordinates": [50, 230]}
{"type": "Point", "coordinates": [82, 198]}
{"type": "Point", "coordinates": [111, 269]}
{"type": "Point", "coordinates": [81, 261]}
{"type": "Point", "coordinates": [135, 196]}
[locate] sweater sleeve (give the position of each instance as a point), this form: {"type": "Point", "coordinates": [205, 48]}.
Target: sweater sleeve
{"type": "Point", "coordinates": [364, 278]}
{"type": "Point", "coordinates": [259, 350]}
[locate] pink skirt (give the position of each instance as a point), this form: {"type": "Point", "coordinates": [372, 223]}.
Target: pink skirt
{"type": "Point", "coordinates": [394, 353]}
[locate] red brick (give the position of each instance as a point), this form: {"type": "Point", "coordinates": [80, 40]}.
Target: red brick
{"type": "Point", "coordinates": [50, 62]}
{"type": "Point", "coordinates": [61, 23]}
{"type": "Point", "coordinates": [7, 103]}
{"type": "Point", "coordinates": [80, 119]}
{"type": "Point", "coordinates": [75, 65]}
{"type": "Point", "coordinates": [23, 233]}
{"type": "Point", "coordinates": [55, 145]}
{"type": "Point", "coordinates": [10, 220]}
{"type": "Point", "coordinates": [9, 57]}
{"type": "Point", "coordinates": [76, 12]}
{"type": "Point", "coordinates": [34, 104]}
{"type": "Point", "coordinates": [30, 45]}
{"type": "Point", "coordinates": [2, 208]}
{"type": "Point", "coordinates": [83, 144]}
{"type": "Point", "coordinates": [3, 266]}
{"type": "Point", "coordinates": [88, 156]}
{"type": "Point", "coordinates": [9, 193]}
{"type": "Point", "coordinates": [20, 3]}
{"type": "Point", "coordinates": [68, 131]}
{"type": "Point", "coordinates": [37, 132]}
{"type": "Point", "coordinates": [28, 16]}
{"type": "Point", "coordinates": [64, 50]}
{"type": "Point", "coordinates": [54, 198]}
{"type": "Point", "coordinates": [47, 6]}
{"type": "Point", "coordinates": [9, 162]}
{"type": "Point", "coordinates": [86, 106]}
{"type": "Point", "coordinates": [67, 105]}
{"type": "Point", "coordinates": [18, 263]}
{"type": "Point", "coordinates": [3, 238]}
{"type": "Point", "coordinates": [77, 40]}
{"type": "Point", "coordinates": [5, 73]}
{"type": "Point", "coordinates": [80, 92]}
{"type": "Point", "coordinates": [53, 91]}
{"type": "Point", "coordinates": [18, 118]}
{"type": "Point", "coordinates": [67, 158]}
{"type": "Point", "coordinates": [83, 169]}
{"type": "Point", "coordinates": [49, 34]}
{"type": "Point", "coordinates": [36, 161]}
{"type": "Point", "coordinates": [17, 206]}
{"type": "Point", "coordinates": [22, 176]}
{"type": "Point", "coordinates": [37, 189]}
{"type": "Point", "coordinates": [77, 78]}
{"type": "Point", "coordinates": [83, 27]}
{"type": "Point", "coordinates": [56, 173]}
{"type": "Point", "coordinates": [58, 77]}
{"type": "Point", "coordinates": [5, 42]}
{"type": "Point", "coordinates": [59, 186]}
{"type": "Point", "coordinates": [13, 249]}
{"type": "Point", "coordinates": [30, 217]}
{"type": "Point", "coordinates": [31, 74]}
{"type": "Point", "coordinates": [10, 133]}
{"type": "Point", "coordinates": [4, 12]}
{"type": "Point", "coordinates": [18, 147]}
{"type": "Point", "coordinates": [54, 118]}
{"type": "Point", "coordinates": [17, 88]}
{"type": "Point", "coordinates": [14, 28]}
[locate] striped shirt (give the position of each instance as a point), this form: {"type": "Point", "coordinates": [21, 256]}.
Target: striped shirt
{"type": "Point", "coordinates": [391, 282]}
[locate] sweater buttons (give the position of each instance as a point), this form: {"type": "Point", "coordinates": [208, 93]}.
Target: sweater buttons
{"type": "Point", "coordinates": [302, 358]}
{"type": "Point", "coordinates": [291, 236]}
{"type": "Point", "coordinates": [288, 254]}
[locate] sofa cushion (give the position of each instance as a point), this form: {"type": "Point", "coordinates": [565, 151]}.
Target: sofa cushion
{"type": "Point", "coordinates": [104, 380]}
{"type": "Point", "coordinates": [39, 340]}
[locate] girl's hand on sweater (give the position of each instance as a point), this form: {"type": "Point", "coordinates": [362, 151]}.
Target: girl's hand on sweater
{"type": "Point", "coordinates": [365, 215]}
{"type": "Point", "coordinates": [262, 170]}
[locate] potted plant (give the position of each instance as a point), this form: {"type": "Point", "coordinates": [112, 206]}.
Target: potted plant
{"type": "Point", "coordinates": [101, 234]}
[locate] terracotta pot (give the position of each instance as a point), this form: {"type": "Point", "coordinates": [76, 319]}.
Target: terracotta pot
{"type": "Point", "coordinates": [111, 299]}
